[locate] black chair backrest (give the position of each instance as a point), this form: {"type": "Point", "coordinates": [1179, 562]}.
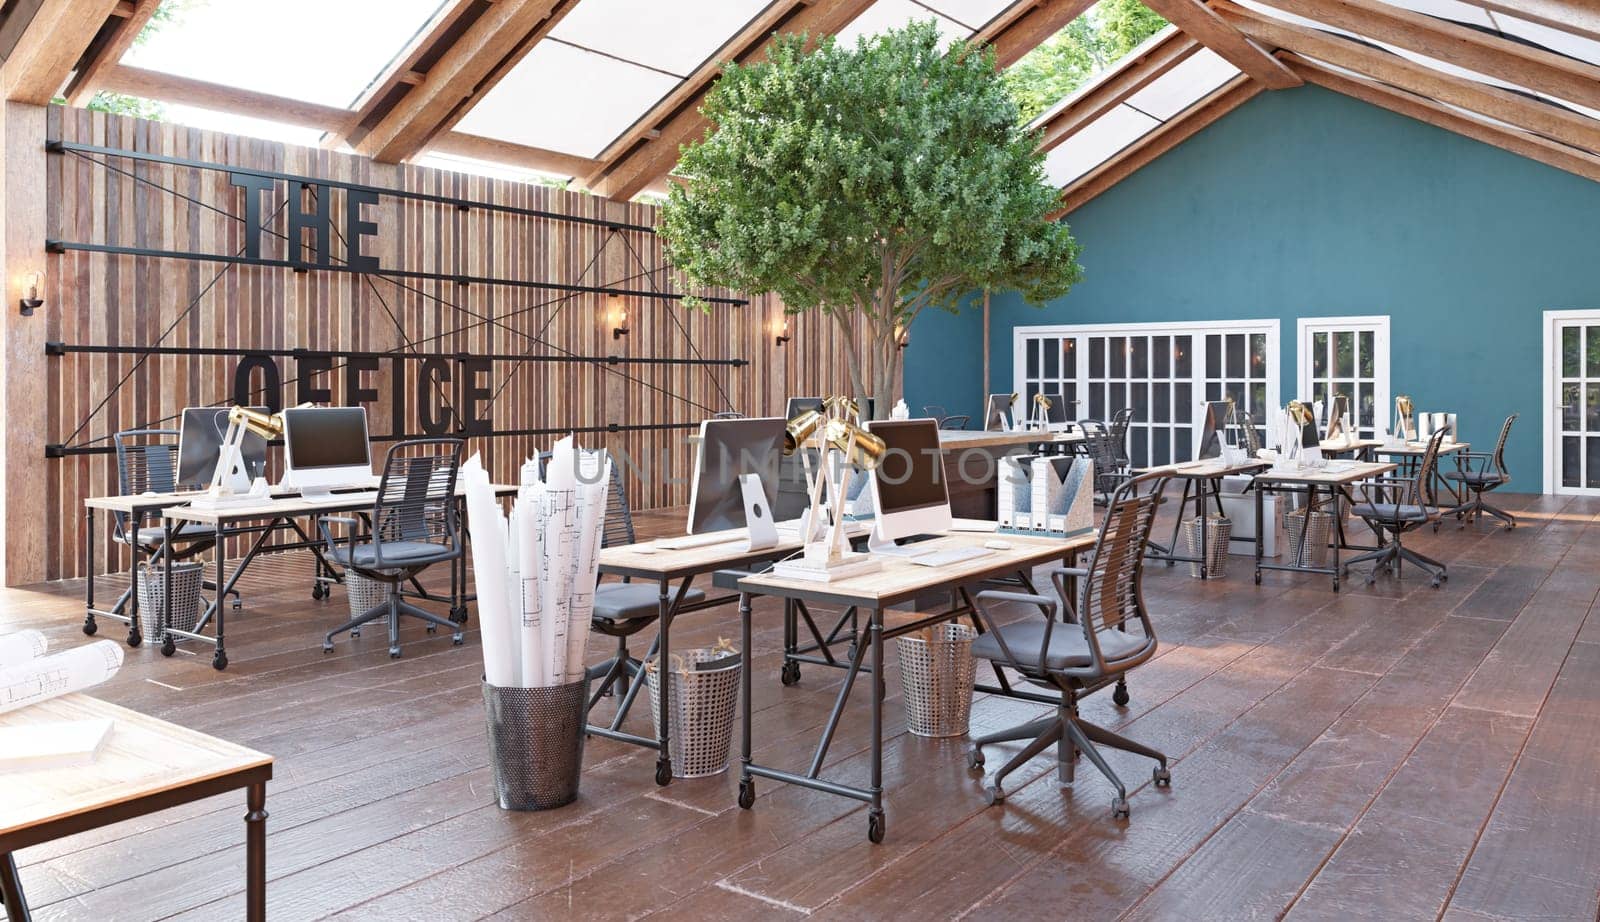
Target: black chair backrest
{"type": "Point", "coordinates": [1113, 594]}
{"type": "Point", "coordinates": [1419, 491]}
{"type": "Point", "coordinates": [1247, 430]}
{"type": "Point", "coordinates": [147, 462]}
{"type": "Point", "coordinates": [618, 528]}
{"type": "Point", "coordinates": [955, 422]}
{"type": "Point", "coordinates": [935, 412]}
{"type": "Point", "coordinates": [417, 495]}
{"type": "Point", "coordinates": [1119, 435]}
{"type": "Point", "coordinates": [1499, 458]}
{"type": "Point", "coordinates": [728, 414]}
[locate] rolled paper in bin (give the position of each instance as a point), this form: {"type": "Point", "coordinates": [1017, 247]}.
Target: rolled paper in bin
{"type": "Point", "coordinates": [536, 743]}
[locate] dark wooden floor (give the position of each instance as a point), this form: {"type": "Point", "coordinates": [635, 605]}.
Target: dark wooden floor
{"type": "Point", "coordinates": [1388, 753]}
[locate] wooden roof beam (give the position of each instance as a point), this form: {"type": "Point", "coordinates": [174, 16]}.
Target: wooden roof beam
{"type": "Point", "coordinates": [1543, 118]}
{"type": "Point", "coordinates": [1580, 17]}
{"type": "Point", "coordinates": [1116, 87]}
{"type": "Point", "coordinates": [1025, 25]}
{"type": "Point", "coordinates": [50, 46]}
{"type": "Point", "coordinates": [109, 46]}
{"type": "Point", "coordinates": [1170, 134]}
{"type": "Point", "coordinates": [463, 74]}
{"type": "Point", "coordinates": [1522, 143]}
{"type": "Point", "coordinates": [1195, 18]}
{"type": "Point", "coordinates": [1515, 62]}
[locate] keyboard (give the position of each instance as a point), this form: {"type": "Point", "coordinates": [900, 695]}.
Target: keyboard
{"type": "Point", "coordinates": [949, 556]}
{"type": "Point", "coordinates": [688, 542]}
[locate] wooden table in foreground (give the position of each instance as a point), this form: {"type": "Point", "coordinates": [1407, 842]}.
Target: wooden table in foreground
{"type": "Point", "coordinates": [899, 582]}
{"type": "Point", "coordinates": [146, 765]}
{"type": "Point", "coordinates": [1333, 483]}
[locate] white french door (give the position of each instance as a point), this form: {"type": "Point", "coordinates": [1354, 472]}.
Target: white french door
{"type": "Point", "coordinates": [1572, 402]}
{"type": "Point", "coordinates": [1163, 371]}
{"type": "Point", "coordinates": [1349, 357]}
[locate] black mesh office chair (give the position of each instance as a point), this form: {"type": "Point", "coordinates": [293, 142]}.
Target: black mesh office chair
{"type": "Point", "coordinates": [936, 413]}
{"type": "Point", "coordinates": [1100, 447]}
{"type": "Point", "coordinates": [1120, 421]}
{"type": "Point", "coordinates": [415, 524]}
{"type": "Point", "coordinates": [1106, 633]}
{"type": "Point", "coordinates": [147, 462]}
{"type": "Point", "coordinates": [1394, 506]}
{"type": "Point", "coordinates": [959, 421]}
{"type": "Point", "coordinates": [1490, 473]}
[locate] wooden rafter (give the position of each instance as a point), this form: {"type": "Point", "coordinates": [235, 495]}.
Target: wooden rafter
{"type": "Point", "coordinates": [1523, 143]}
{"type": "Point", "coordinates": [1580, 17]}
{"type": "Point", "coordinates": [410, 66]}
{"type": "Point", "coordinates": [1170, 134]}
{"type": "Point", "coordinates": [113, 41]}
{"type": "Point", "coordinates": [1208, 29]}
{"type": "Point", "coordinates": [466, 71]}
{"type": "Point", "coordinates": [49, 47]}
{"type": "Point", "coordinates": [1130, 76]}
{"type": "Point", "coordinates": [494, 150]}
{"type": "Point", "coordinates": [1024, 26]}
{"type": "Point", "coordinates": [1514, 62]}
{"type": "Point", "coordinates": [1540, 117]}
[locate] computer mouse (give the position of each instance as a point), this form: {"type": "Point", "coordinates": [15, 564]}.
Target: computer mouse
{"type": "Point", "coordinates": [149, 493]}
{"type": "Point", "coordinates": [997, 545]}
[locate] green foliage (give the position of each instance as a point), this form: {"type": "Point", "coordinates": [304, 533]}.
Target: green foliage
{"type": "Point", "coordinates": [1088, 45]}
{"type": "Point", "coordinates": [167, 13]}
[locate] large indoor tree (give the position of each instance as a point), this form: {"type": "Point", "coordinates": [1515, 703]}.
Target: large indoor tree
{"type": "Point", "coordinates": [872, 181]}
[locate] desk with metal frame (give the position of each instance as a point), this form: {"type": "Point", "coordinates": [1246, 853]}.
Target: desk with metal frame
{"type": "Point", "coordinates": [1200, 478]}
{"type": "Point", "coordinates": [1410, 455]}
{"type": "Point", "coordinates": [899, 582]}
{"type": "Point", "coordinates": [146, 765]}
{"type": "Point", "coordinates": [1359, 449]}
{"type": "Point", "coordinates": [1336, 484]}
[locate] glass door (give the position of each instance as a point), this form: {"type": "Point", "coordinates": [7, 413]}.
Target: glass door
{"type": "Point", "coordinates": [1577, 410]}
{"type": "Point", "coordinates": [1349, 357]}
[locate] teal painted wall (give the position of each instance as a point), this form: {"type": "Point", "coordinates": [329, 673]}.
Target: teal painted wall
{"type": "Point", "coordinates": [1306, 203]}
{"type": "Point", "coordinates": [944, 362]}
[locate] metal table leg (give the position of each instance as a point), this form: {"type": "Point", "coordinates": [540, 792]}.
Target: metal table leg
{"type": "Point", "coordinates": [875, 818]}
{"type": "Point", "coordinates": [11, 890]}
{"type": "Point", "coordinates": [89, 625]}
{"type": "Point", "coordinates": [134, 638]}
{"type": "Point", "coordinates": [255, 835]}
{"type": "Point", "coordinates": [219, 660]}
{"type": "Point", "coordinates": [168, 644]}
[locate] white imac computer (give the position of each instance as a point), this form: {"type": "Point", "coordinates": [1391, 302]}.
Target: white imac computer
{"type": "Point", "coordinates": [997, 414]}
{"type": "Point", "coordinates": [326, 449]}
{"type": "Point", "coordinates": [911, 495]}
{"type": "Point", "coordinates": [735, 481]}
{"type": "Point", "coordinates": [200, 438]}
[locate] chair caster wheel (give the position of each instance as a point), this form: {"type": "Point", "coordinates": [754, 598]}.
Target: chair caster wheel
{"type": "Point", "coordinates": [790, 674]}
{"type": "Point", "coordinates": [355, 632]}
{"type": "Point", "coordinates": [169, 647]}
{"type": "Point", "coordinates": [220, 661]}
{"type": "Point", "coordinates": [1119, 695]}
{"type": "Point", "coordinates": [456, 639]}
{"type": "Point", "coordinates": [327, 646]}
{"type": "Point", "coordinates": [1119, 808]}
{"type": "Point", "coordinates": [135, 638]}
{"type": "Point", "coordinates": [975, 759]}
{"type": "Point", "coordinates": [90, 628]}
{"type": "Point", "coordinates": [747, 793]}
{"type": "Point", "coordinates": [238, 604]}
{"type": "Point", "coordinates": [663, 773]}
{"type": "Point", "coordinates": [394, 652]}
{"type": "Point", "coordinates": [1434, 582]}
{"type": "Point", "coordinates": [433, 629]}
{"type": "Point", "coordinates": [876, 826]}
{"type": "Point", "coordinates": [1161, 777]}
{"type": "Point", "coordinates": [993, 795]}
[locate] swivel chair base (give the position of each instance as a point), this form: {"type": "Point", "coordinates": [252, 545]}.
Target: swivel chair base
{"type": "Point", "coordinates": [392, 609]}
{"type": "Point", "coordinates": [1390, 556]}
{"type": "Point", "coordinates": [1071, 736]}
{"type": "Point", "coordinates": [1474, 509]}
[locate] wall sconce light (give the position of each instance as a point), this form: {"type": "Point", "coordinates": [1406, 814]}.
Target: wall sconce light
{"type": "Point", "coordinates": [902, 336]}
{"type": "Point", "coordinates": [30, 299]}
{"type": "Point", "coordinates": [619, 318]}
{"type": "Point", "coordinates": [782, 333]}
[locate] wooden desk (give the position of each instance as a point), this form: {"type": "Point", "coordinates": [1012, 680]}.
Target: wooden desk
{"type": "Point", "coordinates": [1357, 448]}
{"type": "Point", "coordinates": [147, 765]}
{"type": "Point", "coordinates": [972, 464]}
{"type": "Point", "coordinates": [900, 581]}
{"type": "Point", "coordinates": [1199, 477]}
{"type": "Point", "coordinates": [1334, 484]}
{"type": "Point", "coordinates": [1410, 455]}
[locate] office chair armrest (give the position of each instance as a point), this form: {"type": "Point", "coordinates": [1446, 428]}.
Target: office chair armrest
{"type": "Point", "coordinates": [1059, 576]}
{"type": "Point", "coordinates": [1046, 605]}
{"type": "Point", "coordinates": [327, 536]}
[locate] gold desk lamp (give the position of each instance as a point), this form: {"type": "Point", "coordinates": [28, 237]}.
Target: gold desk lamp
{"type": "Point", "coordinates": [1041, 411]}
{"type": "Point", "coordinates": [230, 459]}
{"type": "Point", "coordinates": [836, 431]}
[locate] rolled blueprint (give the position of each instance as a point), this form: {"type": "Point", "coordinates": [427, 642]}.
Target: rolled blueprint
{"type": "Point", "coordinates": [45, 677]}
{"type": "Point", "coordinates": [487, 527]}
{"type": "Point", "coordinates": [18, 648]}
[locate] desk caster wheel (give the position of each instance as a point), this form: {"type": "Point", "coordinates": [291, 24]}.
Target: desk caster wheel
{"type": "Point", "coordinates": [433, 628]}
{"type": "Point", "coordinates": [135, 638]}
{"type": "Point", "coordinates": [319, 591]}
{"type": "Point", "coordinates": [1161, 777]}
{"type": "Point", "coordinates": [975, 759]}
{"type": "Point", "coordinates": [169, 647]}
{"type": "Point", "coordinates": [238, 604]}
{"type": "Point", "coordinates": [876, 826]}
{"type": "Point", "coordinates": [1258, 577]}
{"type": "Point", "coordinates": [790, 674]}
{"type": "Point", "coordinates": [747, 793]}
{"type": "Point", "coordinates": [1335, 585]}
{"type": "Point", "coordinates": [1119, 808]}
{"type": "Point", "coordinates": [394, 652]}
{"type": "Point", "coordinates": [1119, 695]}
{"type": "Point", "coordinates": [90, 627]}
{"type": "Point", "coordinates": [459, 615]}
{"type": "Point", "coordinates": [355, 633]}
{"type": "Point", "coordinates": [456, 639]}
{"type": "Point", "coordinates": [220, 661]}
{"type": "Point", "coordinates": [663, 773]}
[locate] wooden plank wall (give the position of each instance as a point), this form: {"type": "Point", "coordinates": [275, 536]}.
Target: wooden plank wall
{"type": "Point", "coordinates": [106, 299]}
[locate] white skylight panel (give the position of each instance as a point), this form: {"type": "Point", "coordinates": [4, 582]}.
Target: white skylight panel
{"type": "Point", "coordinates": [895, 14]}
{"type": "Point", "coordinates": [1096, 143]}
{"type": "Point", "coordinates": [227, 122]}
{"type": "Point", "coordinates": [1455, 10]}
{"type": "Point", "coordinates": [310, 50]}
{"type": "Point", "coordinates": [971, 13]}
{"type": "Point", "coordinates": [670, 35]}
{"type": "Point", "coordinates": [1183, 85]}
{"type": "Point", "coordinates": [566, 99]}
{"type": "Point", "coordinates": [488, 168]}
{"type": "Point", "coordinates": [1557, 40]}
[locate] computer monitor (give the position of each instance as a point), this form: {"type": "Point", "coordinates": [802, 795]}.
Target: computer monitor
{"type": "Point", "coordinates": [797, 405]}
{"type": "Point", "coordinates": [1213, 429]}
{"type": "Point", "coordinates": [908, 487]}
{"type": "Point", "coordinates": [730, 448]}
{"type": "Point", "coordinates": [998, 412]}
{"type": "Point", "coordinates": [326, 448]}
{"type": "Point", "coordinates": [1057, 415]}
{"type": "Point", "coordinates": [200, 436]}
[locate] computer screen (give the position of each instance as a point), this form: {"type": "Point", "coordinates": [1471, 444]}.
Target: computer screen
{"type": "Point", "coordinates": [200, 446]}
{"type": "Point", "coordinates": [326, 437]}
{"type": "Point", "coordinates": [1057, 413]}
{"type": "Point", "coordinates": [1212, 429]}
{"type": "Point", "coordinates": [911, 473]}
{"type": "Point", "coordinates": [996, 413]}
{"type": "Point", "coordinates": [798, 405]}
{"type": "Point", "coordinates": [728, 449]}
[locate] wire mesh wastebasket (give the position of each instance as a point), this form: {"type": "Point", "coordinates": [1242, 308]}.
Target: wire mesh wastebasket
{"type": "Point", "coordinates": [536, 743]}
{"type": "Point", "coordinates": [1218, 531]}
{"type": "Point", "coordinates": [186, 579]}
{"type": "Point", "coordinates": [702, 689]}
{"type": "Point", "coordinates": [1313, 551]}
{"type": "Point", "coordinates": [936, 673]}
{"type": "Point", "coordinates": [364, 595]}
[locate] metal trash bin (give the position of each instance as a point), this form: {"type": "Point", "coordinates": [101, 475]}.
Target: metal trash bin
{"type": "Point", "coordinates": [536, 743]}
{"type": "Point", "coordinates": [1314, 551]}
{"type": "Point", "coordinates": [936, 675]}
{"type": "Point", "coordinates": [364, 595]}
{"type": "Point", "coordinates": [187, 577]}
{"type": "Point", "coordinates": [1219, 531]}
{"type": "Point", "coordinates": [700, 706]}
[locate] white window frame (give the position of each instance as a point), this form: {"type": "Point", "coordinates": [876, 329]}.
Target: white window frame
{"type": "Point", "coordinates": [1305, 327]}
{"type": "Point", "coordinates": [1020, 334]}
{"type": "Point", "coordinates": [1552, 396]}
